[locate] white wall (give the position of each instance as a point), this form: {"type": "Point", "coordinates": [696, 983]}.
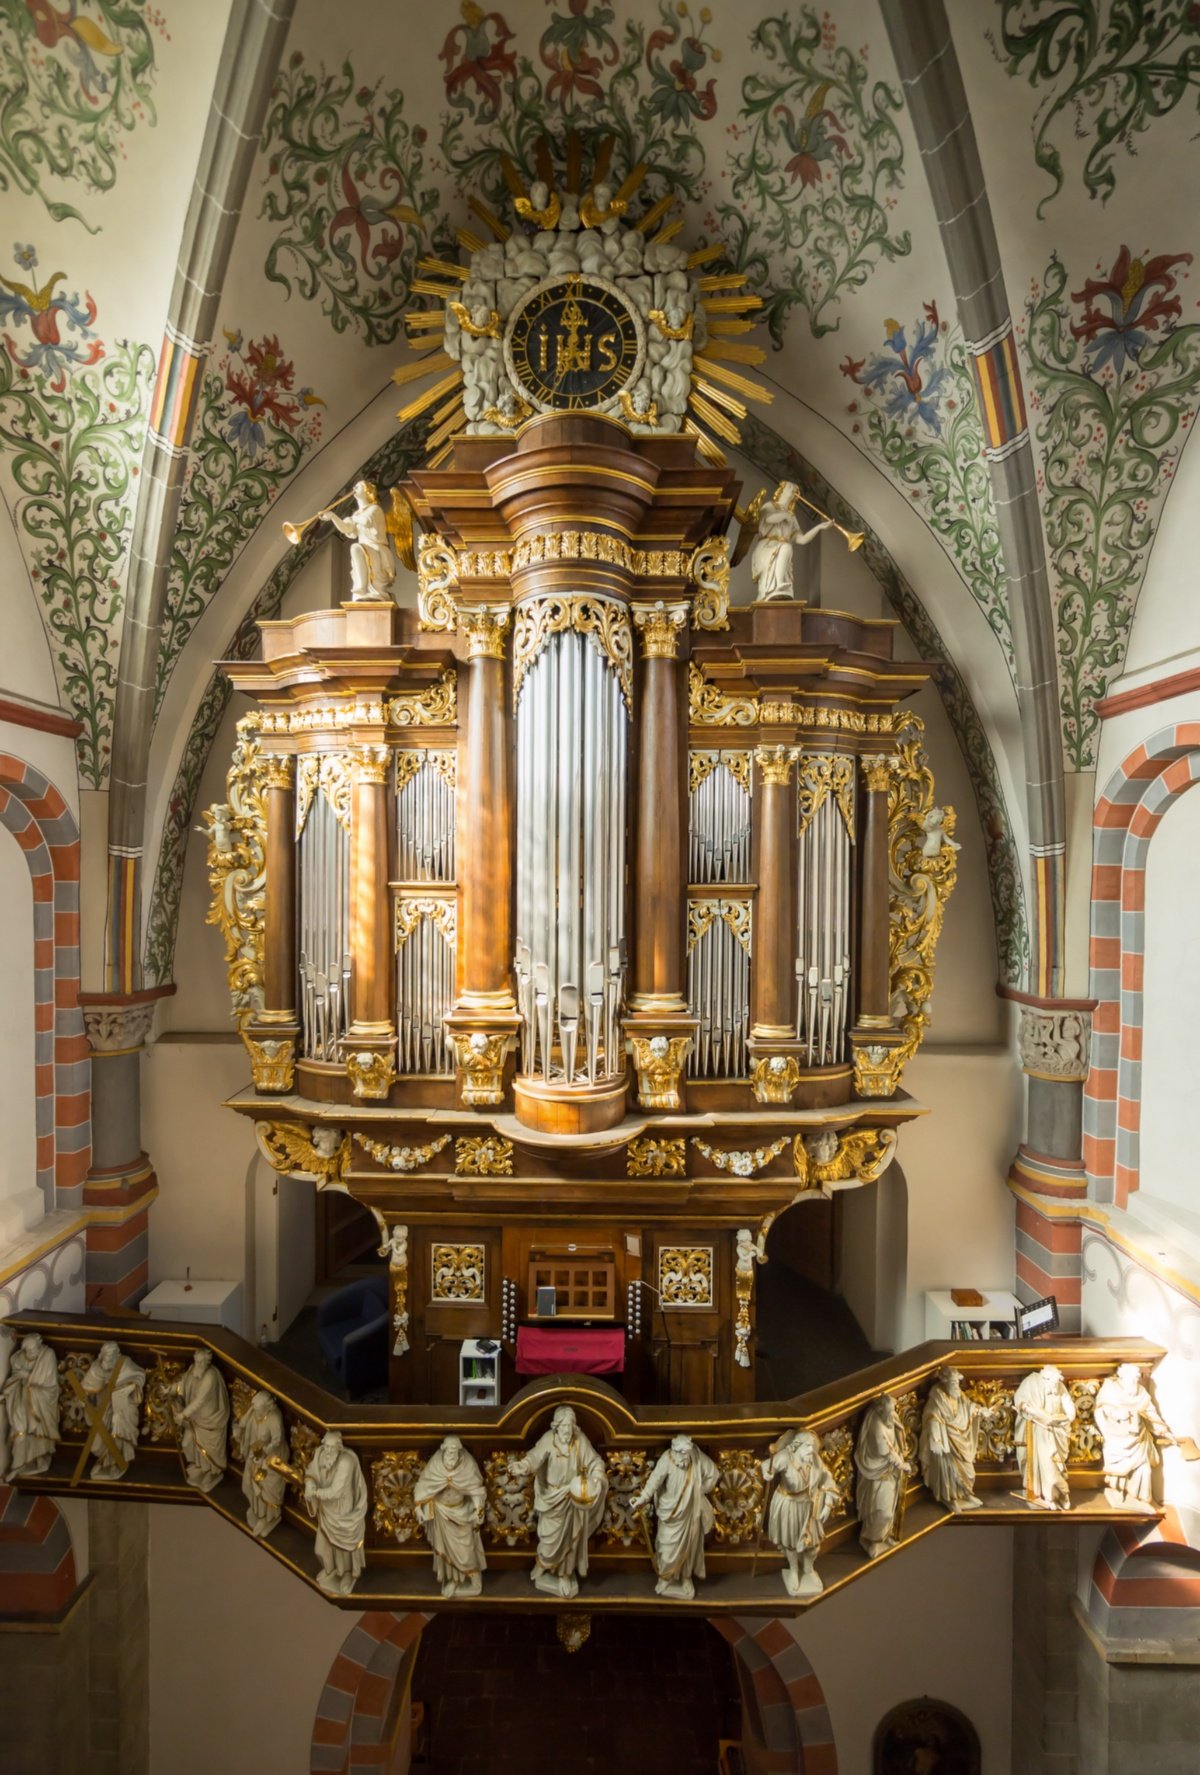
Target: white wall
{"type": "Point", "coordinates": [18, 1150]}
{"type": "Point", "coordinates": [1171, 990]}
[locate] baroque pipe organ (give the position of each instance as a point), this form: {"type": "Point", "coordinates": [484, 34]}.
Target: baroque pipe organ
{"type": "Point", "coordinates": [577, 920]}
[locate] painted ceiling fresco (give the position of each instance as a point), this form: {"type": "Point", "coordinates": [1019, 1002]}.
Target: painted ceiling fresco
{"type": "Point", "coordinates": [784, 135]}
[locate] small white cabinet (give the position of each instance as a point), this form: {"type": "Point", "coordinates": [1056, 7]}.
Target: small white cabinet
{"type": "Point", "coordinates": [478, 1374]}
{"type": "Point", "coordinates": [994, 1321]}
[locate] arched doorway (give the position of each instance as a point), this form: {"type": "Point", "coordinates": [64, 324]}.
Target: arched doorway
{"type": "Point", "coordinates": [926, 1737]}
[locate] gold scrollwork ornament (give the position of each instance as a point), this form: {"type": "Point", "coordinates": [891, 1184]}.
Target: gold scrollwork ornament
{"type": "Point", "coordinates": [237, 870]}
{"type": "Point", "coordinates": [437, 571]}
{"type": "Point", "coordinates": [320, 1152]}
{"type": "Point", "coordinates": [708, 570]}
{"type": "Point", "coordinates": [648, 1157]}
{"type": "Point", "coordinates": [737, 1499]}
{"type": "Point", "coordinates": [393, 1477]}
{"type": "Point", "coordinates": [483, 1155]}
{"type": "Point", "coordinates": [922, 871]}
{"type": "Point", "coordinates": [435, 706]}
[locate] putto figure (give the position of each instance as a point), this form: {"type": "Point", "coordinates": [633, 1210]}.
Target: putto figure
{"type": "Point", "coordinates": [30, 1395]}
{"type": "Point", "coordinates": [950, 1425]}
{"type": "Point", "coordinates": [120, 1383]}
{"type": "Point", "coordinates": [259, 1438]}
{"type": "Point", "coordinates": [779, 531]}
{"type": "Point", "coordinates": [1132, 1428]}
{"type": "Point", "coordinates": [883, 1466]}
{"type": "Point", "coordinates": [204, 1422]}
{"type": "Point", "coordinates": [1044, 1412]}
{"type": "Point", "coordinates": [450, 1498]}
{"type": "Point", "coordinates": [372, 565]}
{"type": "Point", "coordinates": [569, 1489]}
{"type": "Point", "coordinates": [804, 1499]}
{"type": "Point", "coordinates": [335, 1492]}
{"type": "Point", "coordinates": [679, 1487]}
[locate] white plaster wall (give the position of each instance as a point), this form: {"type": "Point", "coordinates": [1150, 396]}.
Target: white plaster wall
{"type": "Point", "coordinates": [26, 667]}
{"type": "Point", "coordinates": [1171, 988]}
{"type": "Point", "coordinates": [935, 1621]}
{"type": "Point", "coordinates": [18, 1109]}
{"type": "Point", "coordinates": [239, 1651]}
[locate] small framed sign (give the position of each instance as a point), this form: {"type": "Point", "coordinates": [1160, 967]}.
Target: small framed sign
{"type": "Point", "coordinates": [1037, 1317]}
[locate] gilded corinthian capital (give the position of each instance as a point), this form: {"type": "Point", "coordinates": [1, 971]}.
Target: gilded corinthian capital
{"type": "Point", "coordinates": [660, 625]}
{"type": "Point", "coordinates": [484, 627]}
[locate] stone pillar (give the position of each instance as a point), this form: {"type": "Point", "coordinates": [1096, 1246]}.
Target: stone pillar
{"type": "Point", "coordinates": [120, 1179]}
{"type": "Point", "coordinates": [1045, 1730]}
{"type": "Point", "coordinates": [1047, 1174]}
{"type": "Point", "coordinates": [874, 1035]}
{"type": "Point", "coordinates": [371, 1040]}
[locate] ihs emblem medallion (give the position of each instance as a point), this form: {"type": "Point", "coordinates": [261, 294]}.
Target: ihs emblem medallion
{"type": "Point", "coordinates": [573, 344]}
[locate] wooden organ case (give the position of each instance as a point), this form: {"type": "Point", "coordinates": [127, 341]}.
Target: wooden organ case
{"type": "Point", "coordinates": [578, 923]}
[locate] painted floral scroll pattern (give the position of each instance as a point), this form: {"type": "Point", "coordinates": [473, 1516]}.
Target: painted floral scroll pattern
{"type": "Point", "coordinates": [1115, 381]}
{"type": "Point", "coordinates": [73, 84]}
{"type": "Point", "coordinates": [816, 174]}
{"type": "Point", "coordinates": [1110, 68]}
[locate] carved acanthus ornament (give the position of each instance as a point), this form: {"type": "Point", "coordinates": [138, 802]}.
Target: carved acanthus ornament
{"type": "Point", "coordinates": [393, 1477]}
{"type": "Point", "coordinates": [775, 1077]}
{"type": "Point", "coordinates": [685, 1275]}
{"type": "Point", "coordinates": [743, 1291]}
{"type": "Point", "coordinates": [436, 706]}
{"type": "Point", "coordinates": [998, 1424]}
{"type": "Point", "coordinates": [480, 1058]}
{"type": "Point", "coordinates": [604, 622]}
{"type": "Point", "coordinates": [775, 765]}
{"type": "Point", "coordinates": [321, 1153]}
{"type": "Point", "coordinates": [484, 627]}
{"type": "Point", "coordinates": [411, 911]}
{"type": "Point", "coordinates": [658, 1061]}
{"type": "Point", "coordinates": [837, 1452]}
{"type": "Point", "coordinates": [660, 626]}
{"type": "Point", "coordinates": [708, 570]}
{"type": "Point", "coordinates": [861, 1155]}
{"type": "Point", "coordinates": [594, 545]}
{"type": "Point", "coordinates": [821, 775]}
{"type": "Point", "coordinates": [369, 764]}
{"type": "Point", "coordinates": [509, 1515]}
{"type": "Point", "coordinates": [303, 1440]}
{"type": "Point", "coordinates": [628, 1471]}
{"type": "Point", "coordinates": [117, 1029]}
{"type": "Point", "coordinates": [649, 1157]}
{"type": "Point", "coordinates": [458, 1273]}
{"type": "Point", "coordinates": [702, 914]}
{"type": "Point", "coordinates": [922, 871]}
{"type": "Point", "coordinates": [372, 1072]}
{"type": "Point", "coordinates": [740, 1164]}
{"type": "Point", "coordinates": [402, 1158]}
{"type": "Point", "coordinates": [308, 772]}
{"type": "Point", "coordinates": [437, 571]}
{"type": "Point", "coordinates": [72, 1412]}
{"type": "Point", "coordinates": [710, 706]}
{"type": "Point", "coordinates": [876, 770]}
{"type": "Point", "coordinates": [237, 870]}
{"type": "Point", "coordinates": [483, 1155]}
{"type": "Point", "coordinates": [279, 770]}
{"type": "Point", "coordinates": [738, 1496]}
{"type": "Point", "coordinates": [1054, 1044]}
{"type": "Point", "coordinates": [877, 1069]}
{"type": "Point", "coordinates": [161, 1403]}
{"type": "Point", "coordinates": [272, 1062]}
{"type": "Point", "coordinates": [1086, 1443]}
{"type": "Point", "coordinates": [702, 764]}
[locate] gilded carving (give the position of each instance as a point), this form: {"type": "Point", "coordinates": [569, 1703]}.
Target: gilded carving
{"type": "Point", "coordinates": [602, 620]}
{"type": "Point", "coordinates": [401, 1158]}
{"type": "Point", "coordinates": [509, 1501]}
{"type": "Point", "coordinates": [372, 1072]}
{"type": "Point", "coordinates": [437, 571]}
{"type": "Point", "coordinates": [241, 1393]}
{"type": "Point", "coordinates": [272, 1062]}
{"type": "Point", "coordinates": [483, 1155]}
{"type": "Point", "coordinates": [821, 775]}
{"type": "Point", "coordinates": [303, 1440]}
{"type": "Point", "coordinates": [237, 869]}
{"type": "Point", "coordinates": [484, 627]}
{"type": "Point", "coordinates": [685, 1275]}
{"type": "Point", "coordinates": [997, 1424]}
{"type": "Point", "coordinates": [393, 1476]}
{"type": "Point", "coordinates": [740, 1163]}
{"type": "Point", "coordinates": [877, 1069]}
{"type": "Point", "coordinates": [708, 571]}
{"type": "Point", "coordinates": [825, 1157]}
{"type": "Point", "coordinates": [279, 770]}
{"type": "Point", "coordinates": [160, 1402]}
{"type": "Point", "coordinates": [410, 912]}
{"type": "Point", "coordinates": [574, 1629]}
{"type": "Point", "coordinates": [710, 706]}
{"type": "Point", "coordinates": [922, 871]}
{"type": "Point", "coordinates": [308, 770]}
{"type": "Point", "coordinates": [775, 1077]}
{"type": "Point", "coordinates": [743, 1289]}
{"type": "Point", "coordinates": [458, 1273]}
{"type": "Point", "coordinates": [436, 706]}
{"type": "Point", "coordinates": [592, 545]}
{"type": "Point", "coordinates": [876, 772]}
{"type": "Point", "coordinates": [775, 765]}
{"type": "Point", "coordinates": [628, 1470]}
{"type": "Point", "coordinates": [369, 764]}
{"type": "Point", "coordinates": [701, 914]}
{"type": "Point", "coordinates": [480, 1058]}
{"type": "Point", "coordinates": [738, 1498]}
{"type": "Point", "coordinates": [658, 1061]}
{"type": "Point", "coordinates": [335, 782]}
{"type": "Point", "coordinates": [660, 625]}
{"type": "Point", "coordinates": [320, 1152]}
{"type": "Point", "coordinates": [72, 1410]}
{"type": "Point", "coordinates": [1085, 1442]}
{"type": "Point", "coordinates": [837, 1452]}
{"type": "Point", "coordinates": [648, 1157]}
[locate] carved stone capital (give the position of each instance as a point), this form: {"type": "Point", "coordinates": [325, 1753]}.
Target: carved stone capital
{"type": "Point", "coordinates": [775, 1077]}
{"type": "Point", "coordinates": [775, 765]}
{"type": "Point", "coordinates": [479, 1056]}
{"type": "Point", "coordinates": [117, 1029]}
{"type": "Point", "coordinates": [370, 763]}
{"type": "Point", "coordinates": [279, 770]}
{"type": "Point", "coordinates": [876, 770]}
{"type": "Point", "coordinates": [372, 1072]}
{"type": "Point", "coordinates": [659, 1061]}
{"type": "Point", "coordinates": [1054, 1044]}
{"type": "Point", "coordinates": [484, 627]}
{"type": "Point", "coordinates": [661, 625]}
{"type": "Point", "coordinates": [272, 1063]}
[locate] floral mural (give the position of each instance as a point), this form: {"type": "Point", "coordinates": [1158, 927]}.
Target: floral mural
{"type": "Point", "coordinates": [252, 429]}
{"type": "Point", "coordinates": [918, 416]}
{"type": "Point", "coordinates": [1114, 376]}
{"type": "Point", "coordinates": [1110, 69]}
{"type": "Point", "coordinates": [72, 422]}
{"type": "Point", "coordinates": [816, 172]}
{"type": "Point", "coordinates": [72, 85]}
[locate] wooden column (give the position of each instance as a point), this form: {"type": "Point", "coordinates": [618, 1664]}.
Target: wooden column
{"type": "Point", "coordinates": [270, 1034]}
{"type": "Point", "coordinates": [874, 996]}
{"type": "Point", "coordinates": [657, 986]}
{"type": "Point", "coordinates": [371, 1040]}
{"type": "Point", "coordinates": [774, 964]}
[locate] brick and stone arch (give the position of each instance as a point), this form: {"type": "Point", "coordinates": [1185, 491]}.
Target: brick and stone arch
{"type": "Point", "coordinates": [1128, 814]}
{"type": "Point", "coordinates": [783, 1699]}
{"type": "Point", "coordinates": [1145, 1587]}
{"type": "Point", "coordinates": [37, 1561]}
{"type": "Point", "coordinates": [356, 1722]}
{"type": "Point", "coordinates": [34, 812]}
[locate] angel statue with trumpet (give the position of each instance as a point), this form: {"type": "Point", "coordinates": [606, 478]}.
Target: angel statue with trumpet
{"type": "Point", "coordinates": [372, 563]}
{"type": "Point", "coordinates": [770, 530]}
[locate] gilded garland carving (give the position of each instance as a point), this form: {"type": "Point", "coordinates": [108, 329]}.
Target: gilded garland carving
{"type": "Point", "coordinates": [604, 622]}
{"type": "Point", "coordinates": [237, 870]}
{"type": "Point", "coordinates": [401, 1158]}
{"type": "Point", "coordinates": [483, 1155]}
{"type": "Point", "coordinates": [437, 571]}
{"type": "Point", "coordinates": [593, 545]}
{"type": "Point", "coordinates": [1085, 1447]}
{"type": "Point", "coordinates": [740, 1164]}
{"type": "Point", "coordinates": [708, 571]}
{"type": "Point", "coordinates": [649, 1157]}
{"type": "Point", "coordinates": [997, 1426]}
{"type": "Point", "coordinates": [702, 764]}
{"type": "Point", "coordinates": [922, 871]}
{"type": "Point", "coordinates": [825, 1157]}
{"type": "Point", "coordinates": [410, 912]}
{"type": "Point", "coordinates": [279, 770]}
{"type": "Point", "coordinates": [821, 775]}
{"type": "Point", "coordinates": [458, 1273]}
{"type": "Point", "coordinates": [435, 706]}
{"type": "Point", "coordinates": [685, 1275]}
{"type": "Point", "coordinates": [308, 770]}
{"type": "Point", "coordinates": [321, 1153]}
{"type": "Point", "coordinates": [372, 1073]}
{"type": "Point", "coordinates": [658, 1061]}
{"type": "Point", "coordinates": [393, 1477]}
{"type": "Point", "coordinates": [72, 1411]}
{"type": "Point", "coordinates": [702, 914]}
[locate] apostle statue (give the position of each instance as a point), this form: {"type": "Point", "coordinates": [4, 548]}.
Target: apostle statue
{"type": "Point", "coordinates": [1129, 1422]}
{"type": "Point", "coordinates": [569, 1489]}
{"type": "Point", "coordinates": [950, 1425]}
{"type": "Point", "coordinates": [30, 1396]}
{"type": "Point", "coordinates": [259, 1438]}
{"type": "Point", "coordinates": [117, 1383]}
{"type": "Point", "coordinates": [883, 1465]}
{"type": "Point", "coordinates": [8, 1344]}
{"type": "Point", "coordinates": [372, 566]}
{"type": "Point", "coordinates": [804, 1498]}
{"type": "Point", "coordinates": [335, 1492]}
{"type": "Point", "coordinates": [680, 1485]}
{"type": "Point", "coordinates": [1044, 1412]}
{"type": "Point", "coordinates": [778, 532]}
{"type": "Point", "coordinates": [450, 1498]}
{"type": "Point", "coordinates": [203, 1422]}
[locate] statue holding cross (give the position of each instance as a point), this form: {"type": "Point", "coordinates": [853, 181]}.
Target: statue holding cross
{"type": "Point", "coordinates": [111, 1392]}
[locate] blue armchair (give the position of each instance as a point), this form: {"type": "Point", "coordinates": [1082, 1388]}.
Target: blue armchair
{"type": "Point", "coordinates": [353, 1328]}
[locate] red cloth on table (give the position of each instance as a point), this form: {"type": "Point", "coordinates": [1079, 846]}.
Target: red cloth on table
{"type": "Point", "coordinates": [569, 1350]}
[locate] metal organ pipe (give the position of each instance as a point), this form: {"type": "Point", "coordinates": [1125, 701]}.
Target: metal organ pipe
{"type": "Point", "coordinates": [720, 808]}
{"type": "Point", "coordinates": [324, 916]}
{"type": "Point", "coordinates": [425, 816]}
{"type": "Point", "coordinates": [824, 901]}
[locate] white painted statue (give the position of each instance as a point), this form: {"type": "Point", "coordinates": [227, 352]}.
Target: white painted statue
{"type": "Point", "coordinates": [882, 1466]}
{"type": "Point", "coordinates": [258, 1438]}
{"type": "Point", "coordinates": [335, 1492]}
{"type": "Point", "coordinates": [779, 531]}
{"type": "Point", "coordinates": [1132, 1428]}
{"type": "Point", "coordinates": [950, 1425]}
{"type": "Point", "coordinates": [450, 1498]}
{"type": "Point", "coordinates": [679, 1487]}
{"type": "Point", "coordinates": [372, 565]}
{"type": "Point", "coordinates": [30, 1395]}
{"type": "Point", "coordinates": [122, 1408]}
{"type": "Point", "coordinates": [1044, 1412]}
{"type": "Point", "coordinates": [8, 1344]}
{"type": "Point", "coordinates": [804, 1498]}
{"type": "Point", "coordinates": [203, 1422]}
{"type": "Point", "coordinates": [937, 838]}
{"type": "Point", "coordinates": [569, 1489]}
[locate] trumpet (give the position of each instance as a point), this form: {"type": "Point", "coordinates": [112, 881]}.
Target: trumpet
{"type": "Point", "coordinates": [854, 538]}
{"type": "Point", "coordinates": [293, 532]}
